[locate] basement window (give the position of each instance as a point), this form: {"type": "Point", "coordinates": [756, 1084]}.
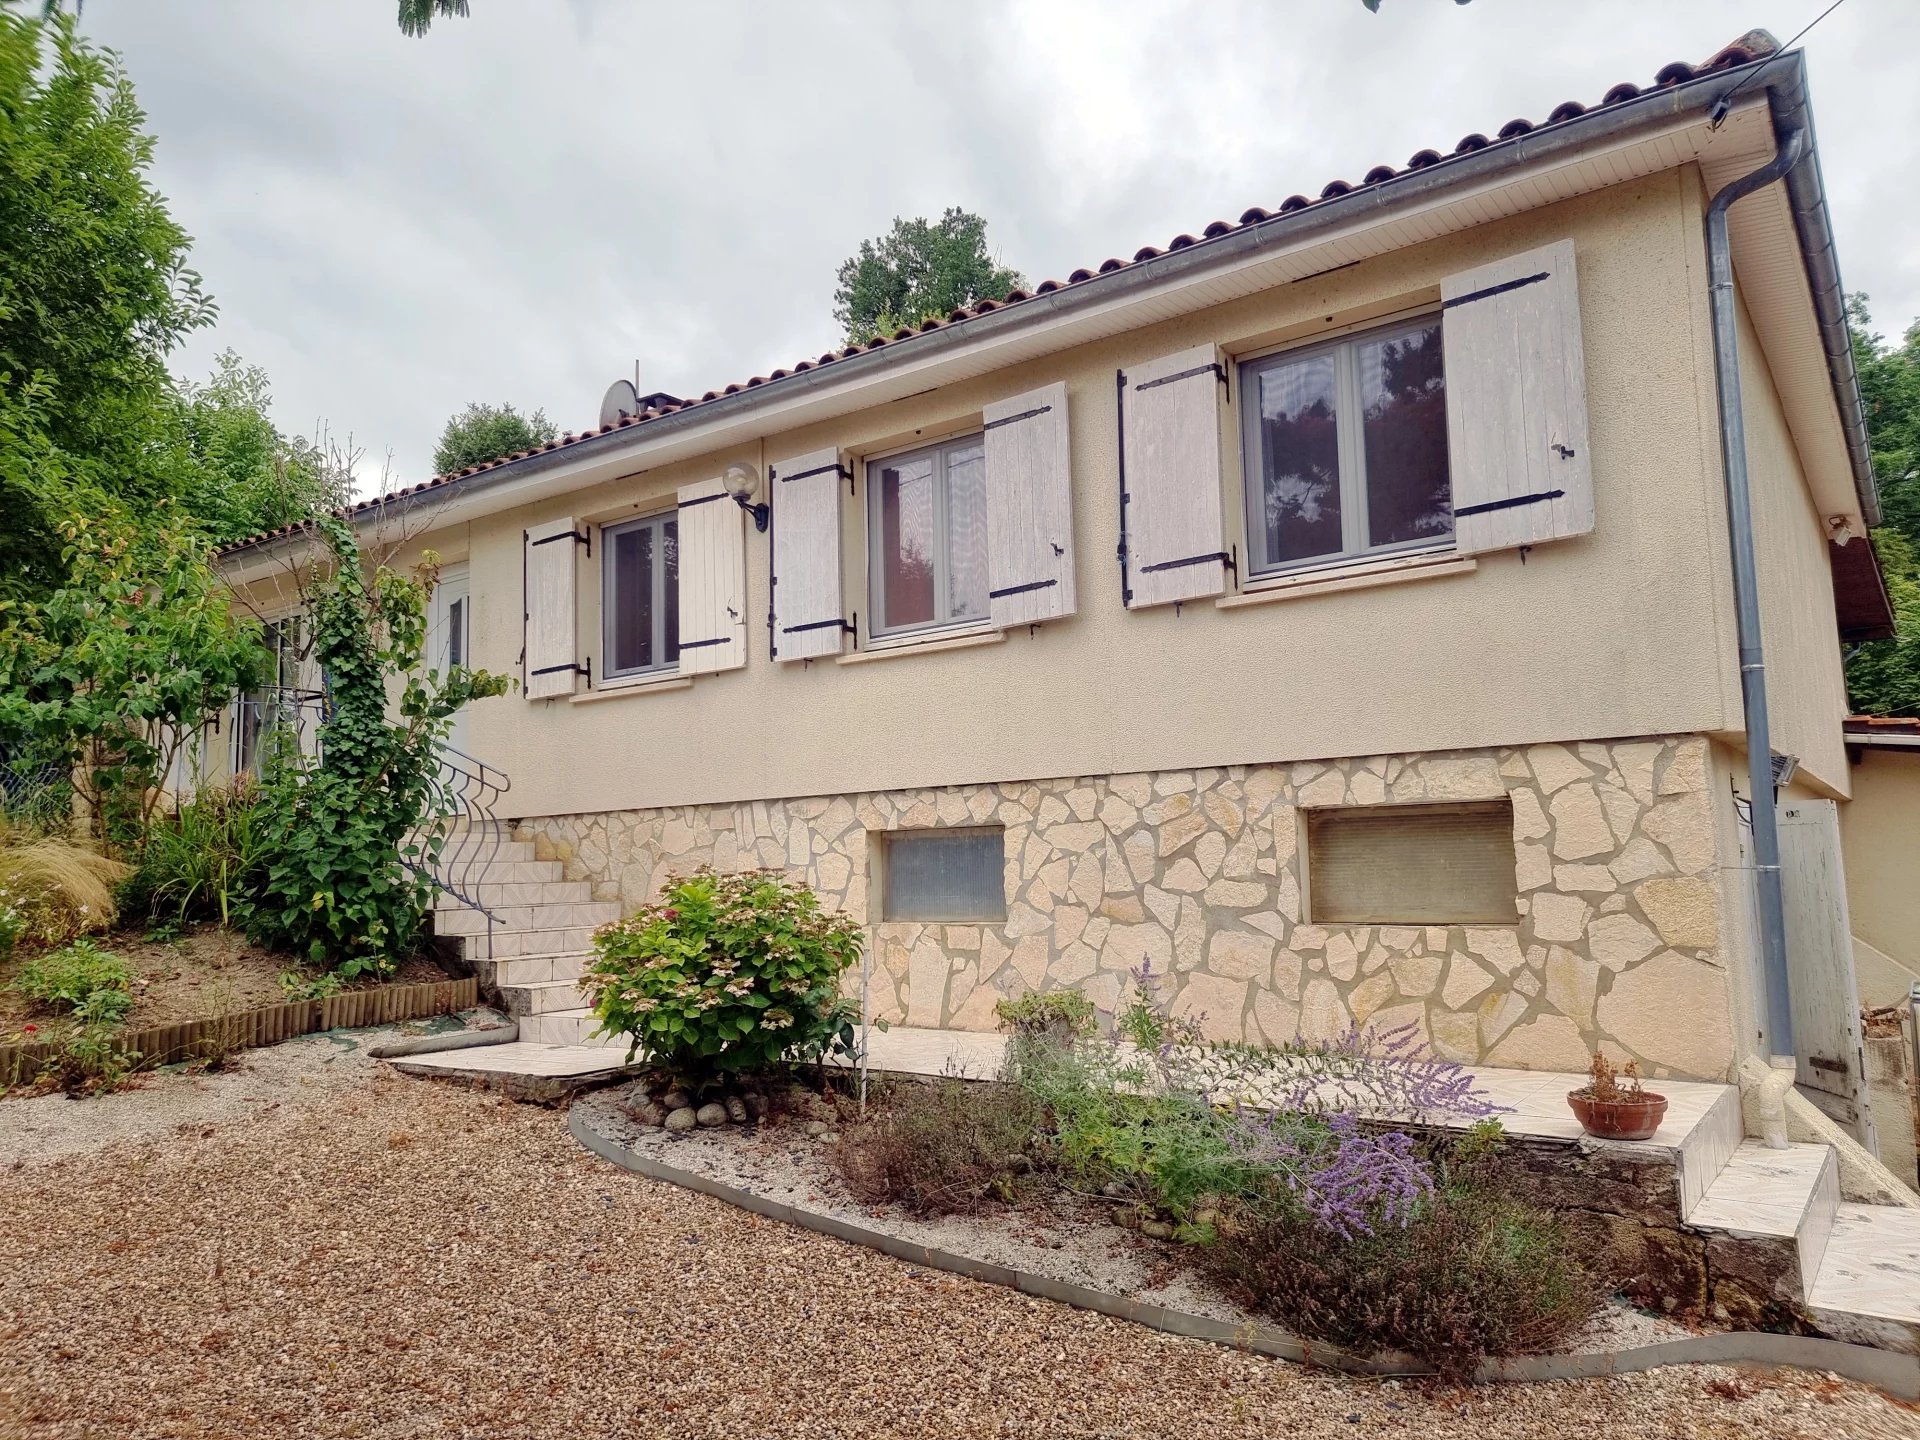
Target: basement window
{"type": "Point", "coordinates": [1413, 865]}
{"type": "Point", "coordinates": [953, 875]}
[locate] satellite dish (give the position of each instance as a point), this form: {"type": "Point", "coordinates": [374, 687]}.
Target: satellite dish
{"type": "Point", "coordinates": [622, 401]}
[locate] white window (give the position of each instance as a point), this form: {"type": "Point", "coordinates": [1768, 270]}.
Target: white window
{"type": "Point", "coordinates": [927, 537]}
{"type": "Point", "coordinates": [1412, 865]}
{"type": "Point", "coordinates": [640, 595]}
{"type": "Point", "coordinates": [1345, 449]}
{"type": "Point", "coordinates": [945, 875]}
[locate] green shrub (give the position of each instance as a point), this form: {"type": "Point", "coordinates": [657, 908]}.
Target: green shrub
{"type": "Point", "coordinates": [1475, 1274]}
{"type": "Point", "coordinates": [190, 865]}
{"type": "Point", "coordinates": [1063, 1015]}
{"type": "Point", "coordinates": [95, 984]}
{"type": "Point", "coordinates": [942, 1148]}
{"type": "Point", "coordinates": [93, 1061]}
{"type": "Point", "coordinates": [13, 924]}
{"type": "Point", "coordinates": [727, 974]}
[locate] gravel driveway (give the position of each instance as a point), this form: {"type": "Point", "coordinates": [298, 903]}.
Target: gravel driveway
{"type": "Point", "coordinates": [359, 1254]}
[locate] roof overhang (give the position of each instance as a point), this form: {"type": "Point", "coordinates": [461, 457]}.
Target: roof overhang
{"type": "Point", "coordinates": [1649, 134]}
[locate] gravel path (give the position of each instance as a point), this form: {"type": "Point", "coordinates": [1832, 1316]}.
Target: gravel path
{"type": "Point", "coordinates": [384, 1257]}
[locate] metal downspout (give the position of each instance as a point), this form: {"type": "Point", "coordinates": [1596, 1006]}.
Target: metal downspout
{"type": "Point", "coordinates": [1746, 589]}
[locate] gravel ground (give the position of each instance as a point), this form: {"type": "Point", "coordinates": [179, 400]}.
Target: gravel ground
{"type": "Point", "coordinates": [374, 1256]}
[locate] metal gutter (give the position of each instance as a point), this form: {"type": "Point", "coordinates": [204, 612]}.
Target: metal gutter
{"type": "Point", "coordinates": [1623, 120]}
{"type": "Point", "coordinates": [1794, 146]}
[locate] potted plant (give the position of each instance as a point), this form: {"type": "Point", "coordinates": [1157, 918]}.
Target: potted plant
{"type": "Point", "coordinates": [1614, 1105]}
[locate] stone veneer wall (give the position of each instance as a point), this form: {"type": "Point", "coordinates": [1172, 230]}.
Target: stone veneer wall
{"type": "Point", "coordinates": [1201, 872]}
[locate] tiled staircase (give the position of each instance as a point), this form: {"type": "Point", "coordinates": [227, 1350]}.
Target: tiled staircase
{"type": "Point", "coordinates": [528, 944]}
{"type": "Point", "coordinates": [1771, 1219]}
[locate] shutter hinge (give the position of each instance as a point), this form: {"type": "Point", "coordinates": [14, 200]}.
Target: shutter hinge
{"type": "Point", "coordinates": [1507, 503]}
{"type": "Point", "coordinates": [586, 670]}
{"type": "Point", "coordinates": [1493, 290]}
{"type": "Point", "coordinates": [1219, 373]}
{"type": "Point", "coordinates": [1015, 419]}
{"type": "Point", "coordinates": [1225, 557]}
{"type": "Point", "coordinates": [574, 535]}
{"type": "Point", "coordinates": [1001, 594]}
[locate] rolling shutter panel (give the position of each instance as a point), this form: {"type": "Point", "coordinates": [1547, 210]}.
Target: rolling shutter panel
{"type": "Point", "coordinates": [1170, 426]}
{"type": "Point", "coordinates": [808, 618]}
{"type": "Point", "coordinates": [552, 637]}
{"type": "Point", "coordinates": [1029, 509]}
{"type": "Point", "coordinates": [1412, 864]}
{"type": "Point", "coordinates": [712, 564]}
{"type": "Point", "coordinates": [1517, 402]}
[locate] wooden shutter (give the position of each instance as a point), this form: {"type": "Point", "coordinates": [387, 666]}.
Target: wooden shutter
{"type": "Point", "coordinates": [1029, 509]}
{"type": "Point", "coordinates": [552, 635]}
{"type": "Point", "coordinates": [712, 562]}
{"type": "Point", "coordinates": [809, 618]}
{"type": "Point", "coordinates": [1170, 426]}
{"type": "Point", "coordinates": [1412, 864]}
{"type": "Point", "coordinates": [1517, 402]}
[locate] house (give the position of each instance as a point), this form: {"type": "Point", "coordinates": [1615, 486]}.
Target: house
{"type": "Point", "coordinates": [1335, 608]}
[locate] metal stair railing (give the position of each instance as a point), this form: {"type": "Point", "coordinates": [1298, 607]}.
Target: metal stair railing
{"type": "Point", "coordinates": [459, 834]}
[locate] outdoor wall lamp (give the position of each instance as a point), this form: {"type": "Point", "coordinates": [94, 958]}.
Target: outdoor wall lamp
{"type": "Point", "coordinates": [743, 483]}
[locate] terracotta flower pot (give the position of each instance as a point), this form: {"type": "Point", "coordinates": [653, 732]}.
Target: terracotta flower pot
{"type": "Point", "coordinates": [1619, 1119]}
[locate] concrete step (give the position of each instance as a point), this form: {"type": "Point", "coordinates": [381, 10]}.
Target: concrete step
{"type": "Point", "coordinates": [543, 997]}
{"type": "Point", "coordinates": [1780, 1205]}
{"type": "Point", "coordinates": [492, 847]}
{"type": "Point", "coordinates": [529, 970]}
{"type": "Point", "coordinates": [506, 944]}
{"type": "Point", "coordinates": [1867, 1289]}
{"type": "Point", "coordinates": [514, 872]}
{"type": "Point", "coordinates": [496, 893]}
{"type": "Point", "coordinates": [589, 913]}
{"type": "Point", "coordinates": [565, 1027]}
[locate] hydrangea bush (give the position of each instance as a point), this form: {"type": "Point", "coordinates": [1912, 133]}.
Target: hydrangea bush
{"type": "Point", "coordinates": [726, 975]}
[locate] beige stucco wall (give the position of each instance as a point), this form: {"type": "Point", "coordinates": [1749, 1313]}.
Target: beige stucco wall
{"type": "Point", "coordinates": [1206, 875]}
{"type": "Point", "coordinates": [1880, 836]}
{"type": "Point", "coordinates": [1614, 634]}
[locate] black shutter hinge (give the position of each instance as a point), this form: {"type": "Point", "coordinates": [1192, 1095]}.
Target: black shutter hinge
{"type": "Point", "coordinates": [574, 535]}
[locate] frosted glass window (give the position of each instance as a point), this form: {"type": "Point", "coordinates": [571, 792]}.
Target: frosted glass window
{"type": "Point", "coordinates": [953, 875]}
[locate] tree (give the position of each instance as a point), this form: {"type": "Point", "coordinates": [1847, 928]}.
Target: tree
{"type": "Point", "coordinates": [416, 16]}
{"type": "Point", "coordinates": [918, 271]}
{"type": "Point", "coordinates": [1883, 676]}
{"type": "Point", "coordinates": [94, 292]}
{"type": "Point", "coordinates": [484, 432]}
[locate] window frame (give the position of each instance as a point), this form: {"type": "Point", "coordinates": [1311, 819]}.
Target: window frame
{"type": "Point", "coordinates": [878, 627]}
{"type": "Point", "coordinates": [1350, 432]}
{"type": "Point", "coordinates": [1313, 820]}
{"type": "Point", "coordinates": [609, 595]}
{"type": "Point", "coordinates": [889, 838]}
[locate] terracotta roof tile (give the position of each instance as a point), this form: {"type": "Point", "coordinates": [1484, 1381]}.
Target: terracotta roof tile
{"type": "Point", "coordinates": [1679, 72]}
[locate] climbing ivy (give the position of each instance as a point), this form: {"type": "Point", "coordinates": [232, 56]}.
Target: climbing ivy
{"type": "Point", "coordinates": [335, 887]}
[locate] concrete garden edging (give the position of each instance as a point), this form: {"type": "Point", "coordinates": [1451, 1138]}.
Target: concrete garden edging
{"type": "Point", "coordinates": [1895, 1373]}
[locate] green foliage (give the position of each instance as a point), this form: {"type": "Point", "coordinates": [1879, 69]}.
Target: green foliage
{"type": "Point", "coordinates": [94, 984]}
{"type": "Point", "coordinates": [117, 669]}
{"type": "Point", "coordinates": [13, 924]}
{"type": "Point", "coordinates": [1883, 676]}
{"type": "Point", "coordinates": [942, 1148]}
{"type": "Point", "coordinates": [191, 864]}
{"type": "Point", "coordinates": [1477, 1273]}
{"type": "Point", "coordinates": [416, 16]}
{"type": "Point", "coordinates": [94, 292]}
{"type": "Point", "coordinates": [94, 1061]}
{"type": "Point", "coordinates": [1063, 1015]}
{"type": "Point", "coordinates": [333, 885]}
{"type": "Point", "coordinates": [482, 432]}
{"type": "Point", "coordinates": [919, 270]}
{"type": "Point", "coordinates": [726, 975]}
{"type": "Point", "coordinates": [298, 985]}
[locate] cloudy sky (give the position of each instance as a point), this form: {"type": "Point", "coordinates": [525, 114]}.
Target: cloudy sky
{"type": "Point", "coordinates": [523, 204]}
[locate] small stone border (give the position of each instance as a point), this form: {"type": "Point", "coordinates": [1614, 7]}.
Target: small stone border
{"type": "Point", "coordinates": [1897, 1374]}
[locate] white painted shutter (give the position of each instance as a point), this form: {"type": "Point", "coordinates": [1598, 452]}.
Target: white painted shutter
{"type": "Point", "coordinates": [808, 611]}
{"type": "Point", "coordinates": [713, 580]}
{"type": "Point", "coordinates": [552, 636]}
{"type": "Point", "coordinates": [1170, 426]}
{"type": "Point", "coordinates": [1029, 509]}
{"type": "Point", "coordinates": [1517, 402]}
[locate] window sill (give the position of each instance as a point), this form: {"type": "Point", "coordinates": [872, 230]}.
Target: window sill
{"type": "Point", "coordinates": [620, 689]}
{"type": "Point", "coordinates": [888, 649]}
{"type": "Point", "coordinates": [1356, 577]}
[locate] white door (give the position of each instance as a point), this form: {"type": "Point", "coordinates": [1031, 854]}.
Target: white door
{"type": "Point", "coordinates": [1831, 1068]}
{"type": "Point", "coordinates": [448, 624]}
